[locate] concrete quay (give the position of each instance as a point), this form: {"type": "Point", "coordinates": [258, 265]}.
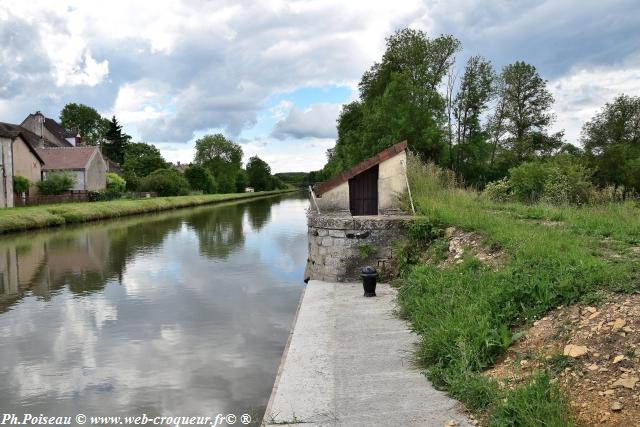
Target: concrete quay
{"type": "Point", "coordinates": [349, 363]}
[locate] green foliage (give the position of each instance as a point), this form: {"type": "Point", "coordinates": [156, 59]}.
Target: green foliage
{"type": "Point", "coordinates": [20, 184]}
{"type": "Point", "coordinates": [539, 403]}
{"type": "Point", "coordinates": [366, 251]}
{"type": "Point", "coordinates": [116, 142]}
{"type": "Point", "coordinates": [612, 142]}
{"type": "Point", "coordinates": [527, 181]}
{"type": "Point", "coordinates": [222, 157]}
{"type": "Point", "coordinates": [132, 180]}
{"type": "Point", "coordinates": [259, 174]}
{"type": "Point", "coordinates": [200, 179]}
{"type": "Point", "coordinates": [398, 100]}
{"type": "Point", "coordinates": [242, 181]}
{"type": "Point", "coordinates": [140, 159]}
{"type": "Point", "coordinates": [165, 182]}
{"type": "Point", "coordinates": [86, 121]}
{"type": "Point", "coordinates": [498, 191]}
{"type": "Point", "coordinates": [56, 183]}
{"type": "Point", "coordinates": [115, 183]}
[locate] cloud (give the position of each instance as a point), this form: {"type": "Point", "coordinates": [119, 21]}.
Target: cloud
{"type": "Point", "coordinates": [317, 121]}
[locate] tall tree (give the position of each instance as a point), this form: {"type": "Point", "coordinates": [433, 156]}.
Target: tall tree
{"type": "Point", "coordinates": [259, 173]}
{"type": "Point", "coordinates": [527, 109]}
{"type": "Point", "coordinates": [116, 141]}
{"type": "Point", "coordinates": [612, 142]}
{"type": "Point", "coordinates": [140, 159]}
{"type": "Point", "coordinates": [399, 100]}
{"type": "Point", "coordinates": [86, 121]}
{"type": "Point", "coordinates": [222, 157]}
{"type": "Point", "coordinates": [471, 153]}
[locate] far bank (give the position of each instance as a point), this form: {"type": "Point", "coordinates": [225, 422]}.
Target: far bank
{"type": "Point", "coordinates": [27, 218]}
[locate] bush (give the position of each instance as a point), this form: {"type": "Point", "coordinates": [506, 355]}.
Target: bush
{"type": "Point", "coordinates": [20, 184]}
{"type": "Point", "coordinates": [165, 182]}
{"type": "Point", "coordinates": [527, 181]}
{"type": "Point", "coordinates": [56, 183]}
{"type": "Point", "coordinates": [200, 179]}
{"type": "Point", "coordinates": [498, 191]}
{"type": "Point", "coordinates": [115, 183]}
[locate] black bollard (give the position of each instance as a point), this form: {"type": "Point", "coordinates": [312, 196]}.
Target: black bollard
{"type": "Point", "coordinates": [369, 281]}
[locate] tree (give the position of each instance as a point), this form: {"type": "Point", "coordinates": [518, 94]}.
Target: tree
{"type": "Point", "coordinates": [611, 141]}
{"type": "Point", "coordinates": [259, 174]}
{"type": "Point", "coordinates": [116, 141]}
{"type": "Point", "coordinates": [141, 159]}
{"type": "Point", "coordinates": [242, 181]}
{"type": "Point", "coordinates": [200, 179]}
{"type": "Point", "coordinates": [526, 110]}
{"type": "Point", "coordinates": [399, 100]}
{"type": "Point", "coordinates": [86, 121]}
{"type": "Point", "coordinates": [222, 158]}
{"type": "Point", "coordinates": [165, 182]}
{"type": "Point", "coordinates": [469, 157]}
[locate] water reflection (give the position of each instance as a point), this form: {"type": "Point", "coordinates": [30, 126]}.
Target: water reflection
{"type": "Point", "coordinates": [182, 313]}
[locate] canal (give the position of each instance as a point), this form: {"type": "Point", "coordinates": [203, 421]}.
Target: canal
{"type": "Point", "coordinates": [184, 313]}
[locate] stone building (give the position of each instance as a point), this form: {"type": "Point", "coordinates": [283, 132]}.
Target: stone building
{"type": "Point", "coordinates": [371, 187]}
{"type": "Point", "coordinates": [17, 158]}
{"type": "Point", "coordinates": [85, 163]}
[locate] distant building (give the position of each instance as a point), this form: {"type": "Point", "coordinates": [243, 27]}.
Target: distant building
{"type": "Point", "coordinates": [113, 167]}
{"type": "Point", "coordinates": [249, 190]}
{"type": "Point", "coordinates": [17, 157]}
{"type": "Point", "coordinates": [50, 131]}
{"type": "Point", "coordinates": [180, 167]}
{"type": "Point", "coordinates": [371, 187]}
{"type": "Point", "coordinates": [85, 163]}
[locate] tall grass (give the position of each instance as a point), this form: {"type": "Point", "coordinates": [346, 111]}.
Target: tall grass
{"type": "Point", "coordinates": [466, 315]}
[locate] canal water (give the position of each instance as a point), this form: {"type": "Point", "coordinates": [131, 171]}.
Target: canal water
{"type": "Point", "coordinates": [184, 313]}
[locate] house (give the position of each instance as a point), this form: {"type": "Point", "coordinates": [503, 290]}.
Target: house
{"type": "Point", "coordinates": [249, 190]}
{"type": "Point", "coordinates": [85, 163]}
{"type": "Point", "coordinates": [369, 188]}
{"type": "Point", "coordinates": [113, 167]}
{"type": "Point", "coordinates": [18, 156]}
{"type": "Point", "coordinates": [50, 131]}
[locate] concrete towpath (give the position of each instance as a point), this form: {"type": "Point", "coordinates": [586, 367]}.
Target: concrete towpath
{"type": "Point", "coordinates": [348, 363]}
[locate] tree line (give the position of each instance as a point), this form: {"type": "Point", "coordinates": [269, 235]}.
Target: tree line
{"type": "Point", "coordinates": [480, 123]}
{"type": "Point", "coordinates": [216, 167]}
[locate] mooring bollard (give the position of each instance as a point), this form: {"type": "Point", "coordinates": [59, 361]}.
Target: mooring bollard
{"type": "Point", "coordinates": [369, 280]}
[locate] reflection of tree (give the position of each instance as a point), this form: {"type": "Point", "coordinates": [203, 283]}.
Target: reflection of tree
{"type": "Point", "coordinates": [219, 230]}
{"type": "Point", "coordinates": [259, 213]}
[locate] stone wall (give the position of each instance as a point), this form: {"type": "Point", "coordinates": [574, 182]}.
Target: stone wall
{"type": "Point", "coordinates": [340, 245]}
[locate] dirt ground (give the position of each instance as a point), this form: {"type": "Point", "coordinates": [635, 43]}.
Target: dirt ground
{"type": "Point", "coordinates": [592, 352]}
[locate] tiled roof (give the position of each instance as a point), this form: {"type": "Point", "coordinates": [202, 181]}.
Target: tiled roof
{"type": "Point", "coordinates": [66, 158]}
{"type": "Point", "coordinates": [345, 176]}
{"type": "Point", "coordinates": [55, 128]}
{"type": "Point", "coordinates": [32, 140]}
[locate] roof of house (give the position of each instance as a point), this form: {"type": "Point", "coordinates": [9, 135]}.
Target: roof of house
{"type": "Point", "coordinates": [57, 130]}
{"type": "Point", "coordinates": [32, 140]}
{"type": "Point", "coordinates": [345, 176]}
{"type": "Point", "coordinates": [66, 158]}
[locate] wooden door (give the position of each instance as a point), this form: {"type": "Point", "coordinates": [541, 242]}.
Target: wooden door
{"type": "Point", "coordinates": [363, 193]}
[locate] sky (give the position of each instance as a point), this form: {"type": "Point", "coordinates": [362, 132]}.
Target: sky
{"type": "Point", "coordinates": [272, 75]}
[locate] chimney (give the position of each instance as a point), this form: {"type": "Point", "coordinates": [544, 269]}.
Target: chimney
{"type": "Point", "coordinates": [39, 127]}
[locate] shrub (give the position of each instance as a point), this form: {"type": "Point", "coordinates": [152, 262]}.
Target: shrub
{"type": "Point", "coordinates": [115, 183]}
{"type": "Point", "coordinates": [56, 183]}
{"type": "Point", "coordinates": [165, 182]}
{"type": "Point", "coordinates": [200, 179]}
{"type": "Point", "coordinates": [132, 181]}
{"type": "Point", "coordinates": [527, 181]}
{"type": "Point", "coordinates": [20, 184]}
{"type": "Point", "coordinates": [498, 191]}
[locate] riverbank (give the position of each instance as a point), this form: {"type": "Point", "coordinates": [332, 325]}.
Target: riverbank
{"type": "Point", "coordinates": [479, 277]}
{"type": "Point", "coordinates": [349, 362]}
{"type": "Point", "coordinates": [33, 217]}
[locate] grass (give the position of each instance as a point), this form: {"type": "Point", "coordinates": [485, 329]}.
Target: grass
{"type": "Point", "coordinates": [467, 315]}
{"type": "Point", "coordinates": [25, 218]}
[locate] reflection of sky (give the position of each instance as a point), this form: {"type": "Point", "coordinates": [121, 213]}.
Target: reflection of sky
{"type": "Point", "coordinates": [181, 334]}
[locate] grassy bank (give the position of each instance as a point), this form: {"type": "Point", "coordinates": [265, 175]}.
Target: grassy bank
{"type": "Point", "coordinates": [468, 314]}
{"type": "Point", "coordinates": [25, 218]}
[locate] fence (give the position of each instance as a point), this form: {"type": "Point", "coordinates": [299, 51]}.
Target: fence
{"type": "Point", "coordinates": [69, 197]}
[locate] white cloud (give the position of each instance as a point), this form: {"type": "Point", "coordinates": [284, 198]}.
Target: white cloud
{"type": "Point", "coordinates": [317, 121]}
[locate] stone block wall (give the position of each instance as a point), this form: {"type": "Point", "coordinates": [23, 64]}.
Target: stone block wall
{"type": "Point", "coordinates": [340, 245]}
